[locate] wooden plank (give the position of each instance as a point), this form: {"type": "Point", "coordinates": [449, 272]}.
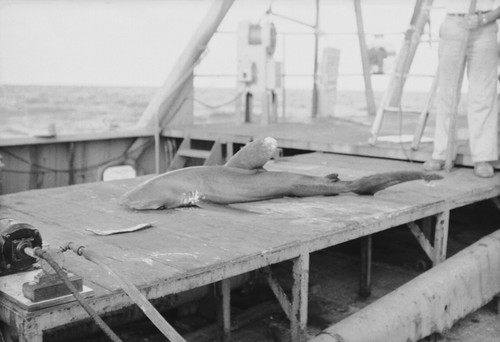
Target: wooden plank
{"type": "Point", "coordinates": [300, 297]}
{"type": "Point", "coordinates": [201, 154]}
{"type": "Point", "coordinates": [59, 164]}
{"type": "Point", "coordinates": [422, 240]}
{"type": "Point", "coordinates": [279, 293]}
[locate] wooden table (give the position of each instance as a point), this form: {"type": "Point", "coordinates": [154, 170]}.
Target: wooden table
{"type": "Point", "coordinates": [189, 248]}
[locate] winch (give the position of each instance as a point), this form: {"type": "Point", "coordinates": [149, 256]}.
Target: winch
{"type": "Point", "coordinates": [14, 238]}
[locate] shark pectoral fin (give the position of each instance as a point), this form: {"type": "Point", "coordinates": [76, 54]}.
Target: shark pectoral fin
{"type": "Point", "coordinates": [222, 208]}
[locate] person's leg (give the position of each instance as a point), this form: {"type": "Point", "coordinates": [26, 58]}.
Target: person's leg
{"type": "Point", "coordinates": [482, 109]}
{"type": "Point", "coordinates": [451, 35]}
{"type": "Point", "coordinates": [451, 40]}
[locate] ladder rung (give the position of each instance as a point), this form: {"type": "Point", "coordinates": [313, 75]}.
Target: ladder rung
{"type": "Point", "coordinates": [191, 153]}
{"type": "Point", "coordinates": [404, 110]}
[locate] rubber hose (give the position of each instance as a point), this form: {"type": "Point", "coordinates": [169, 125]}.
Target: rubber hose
{"type": "Point", "coordinates": [60, 272]}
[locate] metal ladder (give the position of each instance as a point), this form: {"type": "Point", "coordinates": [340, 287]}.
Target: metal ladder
{"type": "Point", "coordinates": [392, 97]}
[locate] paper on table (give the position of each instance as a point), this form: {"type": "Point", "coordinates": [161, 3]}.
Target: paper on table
{"type": "Point", "coordinates": [120, 231]}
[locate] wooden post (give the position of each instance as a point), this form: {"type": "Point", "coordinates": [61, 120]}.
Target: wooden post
{"type": "Point", "coordinates": [29, 331]}
{"type": "Point", "coordinates": [452, 129]}
{"type": "Point", "coordinates": [370, 101]}
{"type": "Point", "coordinates": [441, 237]}
{"type": "Point", "coordinates": [314, 108]}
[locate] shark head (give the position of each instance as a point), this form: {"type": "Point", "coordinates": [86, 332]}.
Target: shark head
{"type": "Point", "coordinates": [152, 195]}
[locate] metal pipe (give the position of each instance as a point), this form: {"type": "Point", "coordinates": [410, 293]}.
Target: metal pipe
{"type": "Point", "coordinates": [430, 303]}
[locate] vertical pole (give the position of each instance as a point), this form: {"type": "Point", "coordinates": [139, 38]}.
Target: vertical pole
{"type": "Point", "coordinates": [29, 331]}
{"type": "Point", "coordinates": [366, 267]}
{"type": "Point", "coordinates": [157, 144]}
{"type": "Point", "coordinates": [248, 107]}
{"type": "Point", "coordinates": [370, 101]}
{"type": "Point", "coordinates": [283, 78]}
{"type": "Point", "coordinates": [314, 109]}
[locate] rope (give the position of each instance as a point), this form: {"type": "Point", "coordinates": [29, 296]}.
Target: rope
{"type": "Point", "coordinates": [46, 169]}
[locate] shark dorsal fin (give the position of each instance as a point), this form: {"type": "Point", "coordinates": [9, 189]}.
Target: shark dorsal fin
{"type": "Point", "coordinates": [254, 154]}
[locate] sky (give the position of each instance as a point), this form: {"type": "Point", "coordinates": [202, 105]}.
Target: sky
{"type": "Point", "coordinates": [136, 43]}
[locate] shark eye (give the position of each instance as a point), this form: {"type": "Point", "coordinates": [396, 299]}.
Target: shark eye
{"type": "Point", "coordinates": [163, 207]}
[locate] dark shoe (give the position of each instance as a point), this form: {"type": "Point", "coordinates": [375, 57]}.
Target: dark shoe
{"type": "Point", "coordinates": [483, 170]}
{"type": "Point", "coordinates": [434, 165]}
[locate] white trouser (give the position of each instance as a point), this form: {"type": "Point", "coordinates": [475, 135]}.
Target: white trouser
{"type": "Point", "coordinates": [482, 109]}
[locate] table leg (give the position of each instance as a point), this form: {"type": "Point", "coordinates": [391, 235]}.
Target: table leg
{"type": "Point", "coordinates": [365, 280]}
{"type": "Point", "coordinates": [441, 237]}
{"type": "Point", "coordinates": [300, 298]}
{"type": "Point", "coordinates": [437, 250]}
{"type": "Point", "coordinates": [29, 332]}
{"type": "Point", "coordinates": [226, 308]}
{"type": "Point", "coordinates": [223, 294]}
{"type": "Point", "coordinates": [296, 308]}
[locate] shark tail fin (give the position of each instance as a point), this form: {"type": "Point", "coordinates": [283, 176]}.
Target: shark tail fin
{"type": "Point", "coordinates": [369, 185]}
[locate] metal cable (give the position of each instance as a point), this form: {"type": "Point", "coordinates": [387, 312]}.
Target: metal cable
{"type": "Point", "coordinates": [232, 100]}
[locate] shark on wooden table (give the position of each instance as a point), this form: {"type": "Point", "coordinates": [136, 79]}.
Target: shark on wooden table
{"type": "Point", "coordinates": [243, 179]}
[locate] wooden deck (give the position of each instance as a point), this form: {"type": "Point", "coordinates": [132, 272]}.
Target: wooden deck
{"type": "Point", "coordinates": [346, 134]}
{"type": "Point", "coordinates": [188, 248]}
